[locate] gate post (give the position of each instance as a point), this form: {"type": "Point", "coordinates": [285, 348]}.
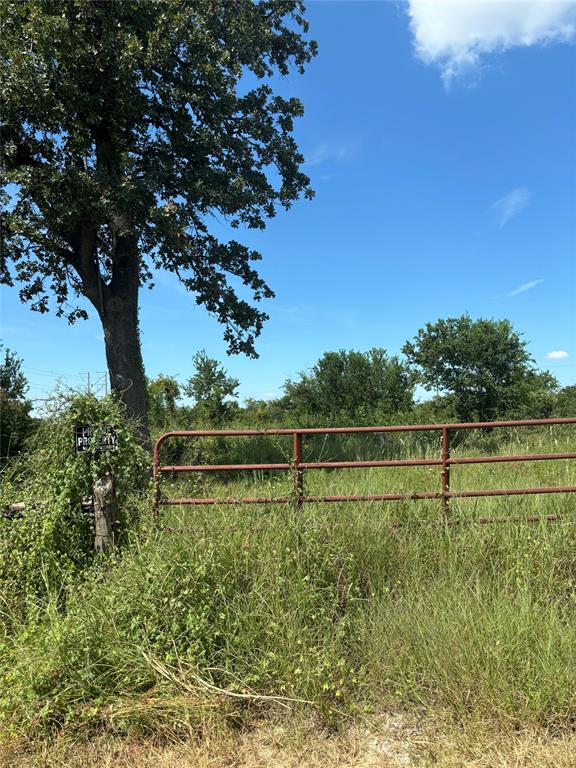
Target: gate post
{"type": "Point", "coordinates": [298, 472]}
{"type": "Point", "coordinates": [445, 470]}
{"type": "Point", "coordinates": [156, 476]}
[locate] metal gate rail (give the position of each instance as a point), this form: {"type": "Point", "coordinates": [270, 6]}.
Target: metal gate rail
{"type": "Point", "coordinates": [297, 466]}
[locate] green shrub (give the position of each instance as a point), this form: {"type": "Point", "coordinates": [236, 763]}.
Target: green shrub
{"type": "Point", "coordinates": [54, 539]}
{"type": "Point", "coordinates": [246, 615]}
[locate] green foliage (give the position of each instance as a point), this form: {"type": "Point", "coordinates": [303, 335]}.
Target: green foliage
{"type": "Point", "coordinates": [262, 412]}
{"type": "Point", "coordinates": [213, 390]}
{"type": "Point", "coordinates": [12, 381]}
{"type": "Point", "coordinates": [264, 612]}
{"type": "Point", "coordinates": [352, 384]}
{"type": "Point", "coordinates": [163, 394]}
{"type": "Point", "coordinates": [535, 396]}
{"type": "Point", "coordinates": [15, 420]}
{"type": "Point", "coordinates": [322, 605]}
{"type": "Point", "coordinates": [565, 405]}
{"type": "Point", "coordinates": [483, 367]}
{"type": "Point", "coordinates": [124, 125]}
{"type": "Point", "coordinates": [53, 541]}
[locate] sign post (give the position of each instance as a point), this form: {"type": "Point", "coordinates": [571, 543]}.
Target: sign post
{"type": "Point", "coordinates": [105, 436]}
{"type": "Point", "coordinates": [100, 439]}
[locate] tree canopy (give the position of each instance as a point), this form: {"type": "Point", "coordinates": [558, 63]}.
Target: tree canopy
{"type": "Point", "coordinates": [566, 402]}
{"type": "Point", "coordinates": [163, 393]}
{"type": "Point", "coordinates": [15, 419]}
{"type": "Point", "coordinates": [352, 383]}
{"type": "Point", "coordinates": [126, 126]}
{"type": "Point", "coordinates": [482, 365]}
{"type": "Point", "coordinates": [214, 392]}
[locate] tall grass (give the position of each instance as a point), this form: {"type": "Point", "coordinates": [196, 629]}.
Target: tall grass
{"type": "Point", "coordinates": [333, 605]}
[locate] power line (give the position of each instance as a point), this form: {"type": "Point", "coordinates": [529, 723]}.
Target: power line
{"type": "Point", "coordinates": [51, 374]}
{"type": "Point", "coordinates": [93, 382]}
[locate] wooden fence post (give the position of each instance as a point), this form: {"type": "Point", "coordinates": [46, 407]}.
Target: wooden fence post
{"type": "Point", "coordinates": [105, 511]}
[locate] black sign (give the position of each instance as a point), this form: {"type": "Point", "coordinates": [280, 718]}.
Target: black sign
{"type": "Point", "coordinates": [106, 438]}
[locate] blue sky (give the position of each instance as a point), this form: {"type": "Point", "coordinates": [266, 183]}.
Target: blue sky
{"type": "Point", "coordinates": [441, 141]}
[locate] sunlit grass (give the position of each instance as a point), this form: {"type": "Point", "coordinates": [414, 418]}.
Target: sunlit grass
{"type": "Point", "coordinates": [350, 607]}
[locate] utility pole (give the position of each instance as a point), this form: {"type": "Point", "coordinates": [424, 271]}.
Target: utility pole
{"type": "Point", "coordinates": [103, 381]}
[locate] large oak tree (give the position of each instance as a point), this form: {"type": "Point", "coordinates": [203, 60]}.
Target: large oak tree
{"type": "Point", "coordinates": [126, 125]}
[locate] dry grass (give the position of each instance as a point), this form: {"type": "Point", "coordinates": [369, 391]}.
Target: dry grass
{"type": "Point", "coordinates": [392, 741]}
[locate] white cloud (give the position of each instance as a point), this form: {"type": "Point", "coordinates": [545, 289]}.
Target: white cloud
{"type": "Point", "coordinates": [511, 204]}
{"type": "Point", "coordinates": [557, 354]}
{"type": "Point", "coordinates": [456, 34]}
{"type": "Point", "coordinates": [336, 153]}
{"type": "Point", "coordinates": [317, 155]}
{"type": "Point", "coordinates": [524, 287]}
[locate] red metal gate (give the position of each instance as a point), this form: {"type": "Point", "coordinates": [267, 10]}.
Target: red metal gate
{"type": "Point", "coordinates": [297, 466]}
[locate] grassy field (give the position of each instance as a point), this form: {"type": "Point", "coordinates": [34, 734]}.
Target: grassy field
{"type": "Point", "coordinates": [334, 616]}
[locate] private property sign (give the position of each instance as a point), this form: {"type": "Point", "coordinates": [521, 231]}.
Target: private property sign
{"type": "Point", "coordinates": [105, 436]}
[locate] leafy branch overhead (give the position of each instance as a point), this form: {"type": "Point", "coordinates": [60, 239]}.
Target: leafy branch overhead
{"type": "Point", "coordinates": [126, 127]}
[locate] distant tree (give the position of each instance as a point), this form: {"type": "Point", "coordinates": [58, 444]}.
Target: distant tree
{"type": "Point", "coordinates": [481, 365]}
{"type": "Point", "coordinates": [13, 382]}
{"type": "Point", "coordinates": [126, 127]}
{"type": "Point", "coordinates": [435, 410]}
{"type": "Point", "coordinates": [163, 394]}
{"type": "Point", "coordinates": [535, 396]}
{"type": "Point", "coordinates": [565, 405]}
{"type": "Point", "coordinates": [15, 419]}
{"type": "Point", "coordinates": [212, 389]}
{"type": "Point", "coordinates": [351, 384]}
{"type": "Point", "coordinates": [265, 412]}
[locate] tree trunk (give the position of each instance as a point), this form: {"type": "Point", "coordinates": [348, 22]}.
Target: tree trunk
{"type": "Point", "coordinates": [116, 302]}
{"type": "Point", "coordinates": [119, 315]}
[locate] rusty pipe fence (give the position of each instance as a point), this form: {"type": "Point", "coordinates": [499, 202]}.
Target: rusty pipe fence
{"type": "Point", "coordinates": [297, 466]}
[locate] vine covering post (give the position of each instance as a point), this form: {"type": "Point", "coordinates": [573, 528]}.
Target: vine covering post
{"type": "Point", "coordinates": [105, 510]}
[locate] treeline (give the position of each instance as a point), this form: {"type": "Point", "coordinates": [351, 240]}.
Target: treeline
{"type": "Point", "coordinates": [474, 370]}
